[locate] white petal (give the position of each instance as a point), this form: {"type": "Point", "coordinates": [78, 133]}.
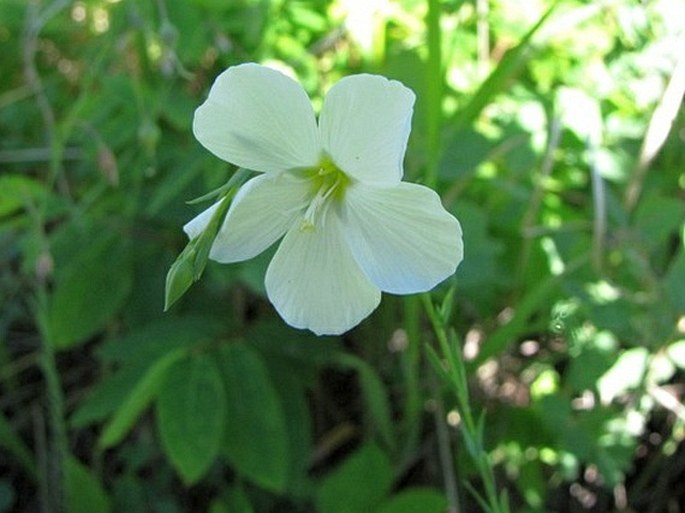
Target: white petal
{"type": "Point", "coordinates": [196, 225]}
{"type": "Point", "coordinates": [262, 211]}
{"type": "Point", "coordinates": [402, 237]}
{"type": "Point", "coordinates": [257, 118]}
{"type": "Point", "coordinates": [365, 123]}
{"type": "Point", "coordinates": [314, 282]}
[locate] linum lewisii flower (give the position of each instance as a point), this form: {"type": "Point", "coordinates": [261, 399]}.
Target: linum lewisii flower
{"type": "Point", "coordinates": [351, 227]}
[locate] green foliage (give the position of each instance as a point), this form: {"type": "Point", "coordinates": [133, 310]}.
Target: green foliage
{"type": "Point", "coordinates": [556, 353]}
{"type": "Point", "coordinates": [85, 492]}
{"type": "Point", "coordinates": [191, 412]}
{"type": "Point", "coordinates": [346, 489]}
{"type": "Point", "coordinates": [255, 438]}
{"type": "Point", "coordinates": [85, 298]}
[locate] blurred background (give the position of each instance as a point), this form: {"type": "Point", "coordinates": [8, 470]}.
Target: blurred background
{"type": "Point", "coordinates": [552, 130]}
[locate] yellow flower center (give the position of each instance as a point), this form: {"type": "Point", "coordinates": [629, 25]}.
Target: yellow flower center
{"type": "Point", "coordinates": [328, 186]}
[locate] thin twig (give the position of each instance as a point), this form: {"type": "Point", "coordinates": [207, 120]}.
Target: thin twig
{"type": "Point", "coordinates": [35, 21]}
{"type": "Point", "coordinates": [483, 37]}
{"type": "Point", "coordinates": [599, 220]}
{"type": "Point", "coordinates": [657, 132]}
{"type": "Point", "coordinates": [536, 197]}
{"type": "Point", "coordinates": [445, 454]}
{"type": "Point", "coordinates": [38, 155]}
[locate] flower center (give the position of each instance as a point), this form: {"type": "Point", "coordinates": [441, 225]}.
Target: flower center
{"type": "Point", "coordinates": [328, 186]}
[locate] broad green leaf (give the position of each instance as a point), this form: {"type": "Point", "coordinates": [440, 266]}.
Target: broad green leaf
{"type": "Point", "coordinates": [13, 444]}
{"type": "Point", "coordinates": [141, 396]}
{"type": "Point", "coordinates": [414, 500]}
{"type": "Point", "coordinates": [358, 485]}
{"type": "Point", "coordinates": [674, 279]}
{"type": "Point", "coordinates": [255, 435]}
{"type": "Point", "coordinates": [85, 493]}
{"type": "Point", "coordinates": [293, 397]}
{"type": "Point", "coordinates": [657, 218]}
{"type": "Point", "coordinates": [585, 369]}
{"type": "Point", "coordinates": [149, 342]}
{"type": "Point", "coordinates": [89, 292]}
{"type": "Point", "coordinates": [298, 349]}
{"type": "Point", "coordinates": [191, 412]}
{"type": "Point", "coordinates": [136, 352]}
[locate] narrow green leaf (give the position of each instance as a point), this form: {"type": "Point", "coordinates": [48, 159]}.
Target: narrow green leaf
{"type": "Point", "coordinates": [89, 292]}
{"type": "Point", "coordinates": [191, 411]}
{"type": "Point", "coordinates": [236, 180]}
{"type": "Point", "coordinates": [358, 485]}
{"type": "Point", "coordinates": [140, 397]}
{"type": "Point", "coordinates": [255, 435]}
{"type": "Point", "coordinates": [511, 64]}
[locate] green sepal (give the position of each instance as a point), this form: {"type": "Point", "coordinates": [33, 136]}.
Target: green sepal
{"type": "Point", "coordinates": [191, 263]}
{"type": "Point", "coordinates": [236, 179]}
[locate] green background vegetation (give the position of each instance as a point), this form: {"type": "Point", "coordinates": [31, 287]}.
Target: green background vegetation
{"type": "Point", "coordinates": [546, 128]}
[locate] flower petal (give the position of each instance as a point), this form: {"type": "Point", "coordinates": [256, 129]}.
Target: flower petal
{"type": "Point", "coordinates": [314, 282]}
{"type": "Point", "coordinates": [402, 237]}
{"type": "Point", "coordinates": [262, 211]}
{"type": "Point", "coordinates": [257, 118]}
{"type": "Point", "coordinates": [365, 122]}
{"type": "Point", "coordinates": [197, 224]}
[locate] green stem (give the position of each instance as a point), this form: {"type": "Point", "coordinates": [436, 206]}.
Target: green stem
{"type": "Point", "coordinates": [57, 491]}
{"type": "Point", "coordinates": [471, 428]}
{"type": "Point", "coordinates": [434, 92]}
{"type": "Point", "coordinates": [411, 362]}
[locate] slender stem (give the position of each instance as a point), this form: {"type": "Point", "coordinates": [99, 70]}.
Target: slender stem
{"type": "Point", "coordinates": [470, 428]}
{"type": "Point", "coordinates": [483, 36]}
{"type": "Point", "coordinates": [446, 457]}
{"type": "Point", "coordinates": [535, 202]}
{"type": "Point", "coordinates": [434, 91]}
{"type": "Point", "coordinates": [411, 366]}
{"type": "Point", "coordinates": [57, 490]}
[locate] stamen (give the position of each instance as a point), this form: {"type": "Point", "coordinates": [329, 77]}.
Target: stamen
{"type": "Point", "coordinates": [319, 202]}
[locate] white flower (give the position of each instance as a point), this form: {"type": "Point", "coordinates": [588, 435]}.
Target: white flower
{"type": "Point", "coordinates": [352, 227]}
